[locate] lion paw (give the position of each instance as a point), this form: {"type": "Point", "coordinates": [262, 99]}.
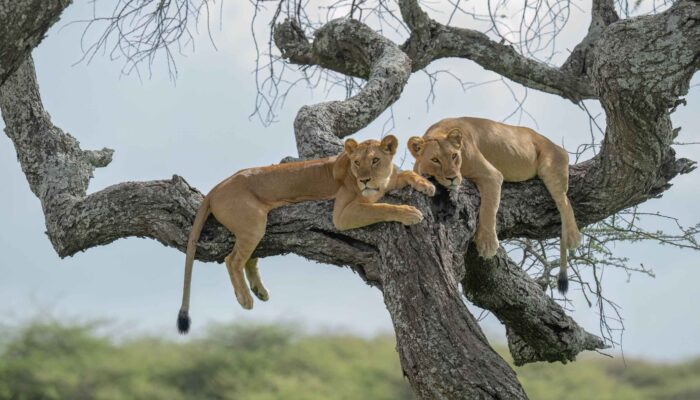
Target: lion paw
{"type": "Point", "coordinates": [260, 292]}
{"type": "Point", "coordinates": [486, 243]}
{"type": "Point", "coordinates": [572, 239]}
{"type": "Point", "coordinates": [245, 299]}
{"type": "Point", "coordinates": [410, 215]}
{"type": "Point", "coordinates": [424, 186]}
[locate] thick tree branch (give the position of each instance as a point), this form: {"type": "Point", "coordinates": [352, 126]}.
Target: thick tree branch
{"type": "Point", "coordinates": [58, 172]}
{"type": "Point", "coordinates": [433, 327]}
{"type": "Point", "coordinates": [602, 14]}
{"type": "Point", "coordinates": [421, 293]}
{"type": "Point", "coordinates": [350, 47]}
{"type": "Point", "coordinates": [164, 210]}
{"type": "Point", "coordinates": [537, 328]}
{"type": "Point", "coordinates": [431, 40]}
{"type": "Point", "coordinates": [639, 81]}
{"type": "Point", "coordinates": [24, 24]}
{"type": "Point", "coordinates": [442, 349]}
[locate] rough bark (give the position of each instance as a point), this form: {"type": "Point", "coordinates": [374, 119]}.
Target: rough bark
{"type": "Point", "coordinates": [602, 14]}
{"type": "Point", "coordinates": [443, 352]}
{"type": "Point", "coordinates": [537, 328]}
{"type": "Point", "coordinates": [24, 24]}
{"type": "Point", "coordinates": [163, 210]}
{"type": "Point", "coordinates": [638, 68]}
{"type": "Point", "coordinates": [58, 172]}
{"type": "Point", "coordinates": [431, 40]}
{"type": "Point", "coordinates": [353, 48]}
{"type": "Point", "coordinates": [638, 82]}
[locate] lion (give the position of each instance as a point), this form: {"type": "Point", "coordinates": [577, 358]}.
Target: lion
{"type": "Point", "coordinates": [357, 178]}
{"type": "Point", "coordinates": [489, 153]}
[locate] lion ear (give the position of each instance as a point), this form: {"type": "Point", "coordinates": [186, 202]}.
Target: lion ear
{"type": "Point", "coordinates": [455, 137]}
{"type": "Point", "coordinates": [350, 146]}
{"type": "Point", "coordinates": [415, 146]}
{"type": "Point", "coordinates": [389, 144]}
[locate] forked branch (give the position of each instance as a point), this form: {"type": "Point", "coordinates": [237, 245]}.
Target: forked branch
{"type": "Point", "coordinates": [353, 48]}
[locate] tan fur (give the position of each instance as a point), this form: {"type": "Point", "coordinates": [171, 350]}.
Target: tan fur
{"type": "Point", "coordinates": [356, 179]}
{"type": "Point", "coordinates": [488, 153]}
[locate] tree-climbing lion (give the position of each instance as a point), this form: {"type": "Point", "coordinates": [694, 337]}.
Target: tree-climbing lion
{"type": "Point", "coordinates": [356, 179]}
{"type": "Point", "coordinates": [488, 153]}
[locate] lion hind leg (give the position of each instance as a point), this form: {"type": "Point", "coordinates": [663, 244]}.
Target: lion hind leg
{"type": "Point", "coordinates": [256, 284]}
{"type": "Point", "coordinates": [248, 226]}
{"type": "Point", "coordinates": [235, 264]}
{"type": "Point", "coordinates": [554, 172]}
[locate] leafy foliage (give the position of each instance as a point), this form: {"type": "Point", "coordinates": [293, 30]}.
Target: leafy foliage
{"type": "Point", "coordinates": [49, 360]}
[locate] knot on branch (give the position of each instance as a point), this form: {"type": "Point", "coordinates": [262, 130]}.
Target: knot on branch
{"type": "Point", "coordinates": [552, 349]}
{"type": "Point", "coordinates": [351, 48]}
{"type": "Point", "coordinates": [537, 328]}
{"type": "Point", "coordinates": [99, 158]}
{"type": "Point", "coordinates": [290, 38]}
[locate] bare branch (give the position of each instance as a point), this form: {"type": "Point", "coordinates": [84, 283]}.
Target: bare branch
{"type": "Point", "coordinates": [137, 31]}
{"type": "Point", "coordinates": [635, 162]}
{"type": "Point", "coordinates": [602, 14]}
{"type": "Point", "coordinates": [58, 172]}
{"type": "Point", "coordinates": [536, 326]}
{"type": "Point", "coordinates": [431, 40]}
{"type": "Point", "coordinates": [350, 47]}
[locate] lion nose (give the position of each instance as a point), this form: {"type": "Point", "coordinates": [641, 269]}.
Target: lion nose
{"type": "Point", "coordinates": [452, 179]}
{"type": "Point", "coordinates": [365, 180]}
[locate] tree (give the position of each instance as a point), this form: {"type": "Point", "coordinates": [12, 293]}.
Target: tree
{"type": "Point", "coordinates": [638, 68]}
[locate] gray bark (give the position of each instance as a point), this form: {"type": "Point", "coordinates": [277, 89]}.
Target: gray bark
{"type": "Point", "coordinates": [24, 24]}
{"type": "Point", "coordinates": [637, 68]}
{"type": "Point", "coordinates": [431, 40]}
{"type": "Point", "coordinates": [353, 48]}
{"type": "Point", "coordinates": [536, 326]}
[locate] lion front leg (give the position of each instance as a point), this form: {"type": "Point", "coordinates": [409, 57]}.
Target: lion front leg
{"type": "Point", "coordinates": [485, 238]}
{"type": "Point", "coordinates": [416, 181]}
{"type": "Point", "coordinates": [356, 215]}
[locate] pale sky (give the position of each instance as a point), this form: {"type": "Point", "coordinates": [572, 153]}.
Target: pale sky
{"type": "Point", "coordinates": [200, 128]}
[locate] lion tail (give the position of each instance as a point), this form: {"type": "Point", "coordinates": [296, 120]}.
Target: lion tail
{"type": "Point", "coordinates": [563, 279]}
{"type": "Point", "coordinates": [183, 318]}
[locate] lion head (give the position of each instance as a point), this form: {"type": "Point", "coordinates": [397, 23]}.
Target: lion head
{"type": "Point", "coordinates": [439, 157]}
{"type": "Point", "coordinates": [370, 163]}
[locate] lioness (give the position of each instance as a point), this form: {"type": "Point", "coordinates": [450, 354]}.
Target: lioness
{"type": "Point", "coordinates": [356, 179]}
{"type": "Point", "coordinates": [488, 153]}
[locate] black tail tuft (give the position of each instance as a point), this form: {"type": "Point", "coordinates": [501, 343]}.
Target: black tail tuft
{"type": "Point", "coordinates": [183, 322]}
{"type": "Point", "coordinates": [563, 283]}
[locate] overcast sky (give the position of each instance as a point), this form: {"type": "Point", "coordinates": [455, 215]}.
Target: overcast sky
{"type": "Point", "coordinates": [199, 127]}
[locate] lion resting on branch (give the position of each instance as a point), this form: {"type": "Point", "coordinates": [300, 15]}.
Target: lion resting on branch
{"type": "Point", "coordinates": [356, 179]}
{"type": "Point", "coordinates": [489, 153]}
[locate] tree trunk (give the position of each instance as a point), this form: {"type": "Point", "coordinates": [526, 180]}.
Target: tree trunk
{"type": "Point", "coordinates": [637, 68]}
{"type": "Point", "coordinates": [444, 353]}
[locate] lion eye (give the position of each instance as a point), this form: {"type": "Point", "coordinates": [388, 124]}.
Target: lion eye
{"type": "Point", "coordinates": [435, 160]}
{"type": "Point", "coordinates": [357, 162]}
{"type": "Point", "coordinates": [454, 156]}
{"type": "Point", "coordinates": [375, 160]}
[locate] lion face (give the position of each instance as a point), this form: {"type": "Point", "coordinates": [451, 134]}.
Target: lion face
{"type": "Point", "coordinates": [440, 158]}
{"type": "Point", "coordinates": [370, 163]}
